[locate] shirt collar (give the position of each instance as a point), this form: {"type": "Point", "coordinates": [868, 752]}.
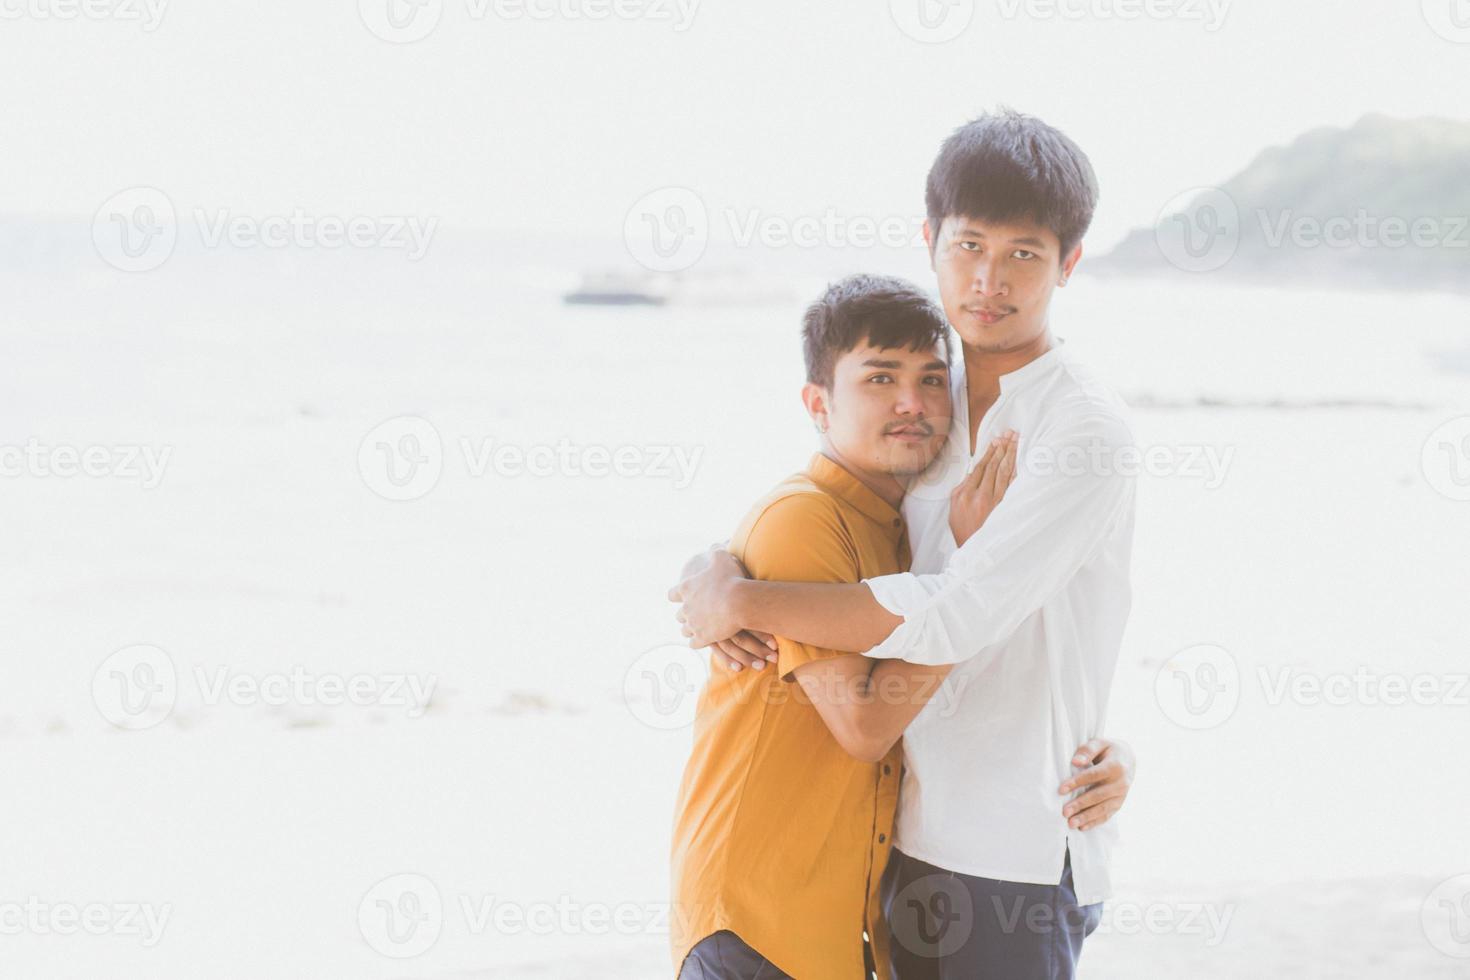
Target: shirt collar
{"type": "Point", "coordinates": [842, 484]}
{"type": "Point", "coordinates": [1019, 378]}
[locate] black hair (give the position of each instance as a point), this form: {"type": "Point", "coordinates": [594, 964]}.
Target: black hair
{"type": "Point", "coordinates": [885, 311]}
{"type": "Point", "coordinates": [1007, 166]}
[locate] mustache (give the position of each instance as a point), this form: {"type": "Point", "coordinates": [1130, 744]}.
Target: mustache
{"type": "Point", "coordinates": [924, 428]}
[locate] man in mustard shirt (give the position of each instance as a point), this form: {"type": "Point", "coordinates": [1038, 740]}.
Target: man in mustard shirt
{"type": "Point", "coordinates": [785, 814]}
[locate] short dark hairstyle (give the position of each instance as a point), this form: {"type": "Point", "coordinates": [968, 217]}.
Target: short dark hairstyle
{"type": "Point", "coordinates": [882, 310]}
{"type": "Point", "coordinates": [1007, 166]}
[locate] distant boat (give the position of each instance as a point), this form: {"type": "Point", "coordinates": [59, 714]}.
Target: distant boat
{"type": "Point", "coordinates": [611, 289]}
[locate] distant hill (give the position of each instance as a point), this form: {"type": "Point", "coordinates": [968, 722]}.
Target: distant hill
{"type": "Point", "coordinates": [1385, 203]}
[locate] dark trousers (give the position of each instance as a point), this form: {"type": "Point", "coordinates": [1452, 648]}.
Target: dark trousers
{"type": "Point", "coordinates": [949, 926]}
{"type": "Point", "coordinates": [724, 956]}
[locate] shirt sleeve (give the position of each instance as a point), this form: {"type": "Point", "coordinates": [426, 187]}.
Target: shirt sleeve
{"type": "Point", "coordinates": [1070, 489]}
{"type": "Point", "coordinates": [801, 538]}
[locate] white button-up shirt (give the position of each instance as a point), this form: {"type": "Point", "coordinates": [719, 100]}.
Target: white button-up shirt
{"type": "Point", "coordinates": [1032, 610]}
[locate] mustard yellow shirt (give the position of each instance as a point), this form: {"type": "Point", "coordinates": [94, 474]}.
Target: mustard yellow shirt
{"type": "Point", "coordinates": [780, 836]}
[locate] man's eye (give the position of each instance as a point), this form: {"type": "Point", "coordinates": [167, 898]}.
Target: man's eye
{"type": "Point", "coordinates": [934, 380]}
{"type": "Point", "coordinates": [970, 246]}
{"type": "Point", "coordinates": [881, 378]}
{"type": "Point", "coordinates": [1022, 253]}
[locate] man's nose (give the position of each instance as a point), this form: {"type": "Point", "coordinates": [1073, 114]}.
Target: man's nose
{"type": "Point", "coordinates": [988, 280]}
{"type": "Point", "coordinates": [910, 401]}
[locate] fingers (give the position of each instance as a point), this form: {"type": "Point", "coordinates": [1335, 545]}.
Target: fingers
{"type": "Point", "coordinates": [992, 468]}
{"type": "Point", "coordinates": [756, 648]}
{"type": "Point", "coordinates": [1092, 776]}
{"type": "Point", "coordinates": [737, 658]}
{"type": "Point", "coordinates": [765, 638]}
{"type": "Point", "coordinates": [1096, 816]}
{"type": "Point", "coordinates": [1089, 752]}
{"type": "Point", "coordinates": [1103, 793]}
{"type": "Point", "coordinates": [1008, 468]}
{"type": "Point", "coordinates": [972, 479]}
{"type": "Point", "coordinates": [676, 594]}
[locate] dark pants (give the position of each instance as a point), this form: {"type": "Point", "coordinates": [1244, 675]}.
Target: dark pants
{"type": "Point", "coordinates": [724, 956]}
{"type": "Point", "coordinates": [949, 926]}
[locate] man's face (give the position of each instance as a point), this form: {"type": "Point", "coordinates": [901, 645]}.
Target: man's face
{"type": "Point", "coordinates": [996, 280]}
{"type": "Point", "coordinates": [888, 410]}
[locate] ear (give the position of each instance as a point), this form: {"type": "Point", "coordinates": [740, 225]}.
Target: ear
{"type": "Point", "coordinates": [1070, 264]}
{"type": "Point", "coordinates": [929, 234]}
{"type": "Point", "coordinates": [816, 399]}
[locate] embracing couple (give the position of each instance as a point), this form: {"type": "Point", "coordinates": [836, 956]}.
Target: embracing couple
{"type": "Point", "coordinates": [901, 773]}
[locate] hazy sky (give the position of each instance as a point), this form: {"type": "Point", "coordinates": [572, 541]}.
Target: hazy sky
{"type": "Point", "coordinates": [561, 122]}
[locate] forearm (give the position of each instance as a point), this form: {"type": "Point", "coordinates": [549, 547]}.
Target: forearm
{"type": "Point", "coordinates": [832, 616]}
{"type": "Point", "coordinates": [895, 693]}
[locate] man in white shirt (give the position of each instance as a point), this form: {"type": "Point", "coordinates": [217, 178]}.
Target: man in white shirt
{"type": "Point", "coordinates": [995, 873]}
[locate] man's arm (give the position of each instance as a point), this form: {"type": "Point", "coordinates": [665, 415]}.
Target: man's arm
{"type": "Point", "coordinates": [866, 704]}
{"type": "Point", "coordinates": [720, 607]}
{"type": "Point", "coordinates": [1065, 498]}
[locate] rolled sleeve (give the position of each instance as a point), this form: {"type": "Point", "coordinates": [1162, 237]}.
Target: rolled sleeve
{"type": "Point", "coordinates": [1072, 486]}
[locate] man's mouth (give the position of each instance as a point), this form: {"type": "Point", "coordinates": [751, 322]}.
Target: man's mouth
{"type": "Point", "coordinates": [987, 315]}
{"type": "Point", "coordinates": [911, 433]}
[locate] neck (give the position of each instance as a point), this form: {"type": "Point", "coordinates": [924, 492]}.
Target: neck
{"type": "Point", "coordinates": [983, 368]}
{"type": "Point", "coordinates": [885, 485]}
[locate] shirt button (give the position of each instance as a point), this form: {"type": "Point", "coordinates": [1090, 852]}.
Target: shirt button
{"type": "Point", "coordinates": [897, 522]}
{"type": "Point", "coordinates": [882, 838]}
{"type": "Point", "coordinates": [887, 769]}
